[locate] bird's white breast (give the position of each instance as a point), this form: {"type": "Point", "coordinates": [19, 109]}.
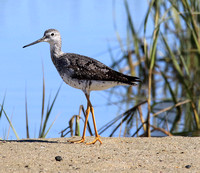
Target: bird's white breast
{"type": "Point", "coordinates": [88, 85]}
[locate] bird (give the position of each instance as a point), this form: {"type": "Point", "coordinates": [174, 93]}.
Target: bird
{"type": "Point", "coordinates": [84, 73]}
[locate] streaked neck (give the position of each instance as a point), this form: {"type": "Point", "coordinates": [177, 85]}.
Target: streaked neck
{"type": "Point", "coordinates": [56, 51]}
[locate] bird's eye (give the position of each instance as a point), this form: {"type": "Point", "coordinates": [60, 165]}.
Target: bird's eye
{"type": "Point", "coordinates": [52, 34]}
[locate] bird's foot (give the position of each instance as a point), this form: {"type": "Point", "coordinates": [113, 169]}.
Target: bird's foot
{"type": "Point", "coordinates": [77, 141]}
{"type": "Point", "coordinates": [97, 138]}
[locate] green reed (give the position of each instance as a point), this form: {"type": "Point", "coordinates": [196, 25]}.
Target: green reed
{"type": "Point", "coordinates": [43, 130]}
{"type": "Point", "coordinates": [2, 111]}
{"type": "Point", "coordinates": [168, 63]}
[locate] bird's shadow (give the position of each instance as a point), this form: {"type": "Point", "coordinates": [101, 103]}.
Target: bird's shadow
{"type": "Point", "coordinates": [35, 141]}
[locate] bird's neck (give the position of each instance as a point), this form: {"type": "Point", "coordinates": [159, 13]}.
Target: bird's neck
{"type": "Point", "coordinates": [56, 51]}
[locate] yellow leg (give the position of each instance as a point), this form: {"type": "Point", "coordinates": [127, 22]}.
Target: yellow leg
{"type": "Point", "coordinates": [97, 137]}
{"type": "Point", "coordinates": [85, 126]}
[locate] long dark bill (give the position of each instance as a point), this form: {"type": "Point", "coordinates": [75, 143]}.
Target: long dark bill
{"type": "Point", "coordinates": [35, 42]}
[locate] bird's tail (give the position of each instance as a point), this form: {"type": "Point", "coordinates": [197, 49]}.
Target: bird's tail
{"type": "Point", "coordinates": [132, 80]}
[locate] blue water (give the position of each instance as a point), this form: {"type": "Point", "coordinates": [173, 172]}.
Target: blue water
{"type": "Point", "coordinates": [86, 28]}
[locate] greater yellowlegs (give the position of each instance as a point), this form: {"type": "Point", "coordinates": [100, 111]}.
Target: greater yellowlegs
{"type": "Point", "coordinates": [83, 73]}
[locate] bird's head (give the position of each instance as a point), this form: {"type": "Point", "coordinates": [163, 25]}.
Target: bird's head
{"type": "Point", "coordinates": [52, 36]}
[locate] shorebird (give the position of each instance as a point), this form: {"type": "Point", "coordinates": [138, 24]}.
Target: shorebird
{"type": "Point", "coordinates": [83, 73]}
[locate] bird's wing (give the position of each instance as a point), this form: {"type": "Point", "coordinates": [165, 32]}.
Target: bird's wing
{"type": "Point", "coordinates": [82, 67]}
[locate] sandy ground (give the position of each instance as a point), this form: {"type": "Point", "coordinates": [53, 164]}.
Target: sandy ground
{"type": "Point", "coordinates": [167, 154]}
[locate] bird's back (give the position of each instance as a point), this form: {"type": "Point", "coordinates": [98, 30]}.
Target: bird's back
{"type": "Point", "coordinates": [84, 68]}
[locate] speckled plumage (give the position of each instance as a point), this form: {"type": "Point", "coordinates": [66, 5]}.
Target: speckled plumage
{"type": "Point", "coordinates": [83, 73]}
{"type": "Point", "coordinates": [81, 68]}
{"type": "Point", "coordinates": [85, 68]}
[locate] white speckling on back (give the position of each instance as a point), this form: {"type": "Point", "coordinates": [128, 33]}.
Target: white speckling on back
{"type": "Point", "coordinates": [82, 72]}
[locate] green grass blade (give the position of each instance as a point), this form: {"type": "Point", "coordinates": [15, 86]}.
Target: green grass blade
{"type": "Point", "coordinates": [48, 114]}
{"type": "Point", "coordinates": [134, 34]}
{"type": "Point", "coordinates": [147, 15]}
{"type": "Point", "coordinates": [184, 65]}
{"type": "Point", "coordinates": [26, 110]}
{"type": "Point", "coordinates": [170, 89]}
{"type": "Point", "coordinates": [43, 101]}
{"type": "Point", "coordinates": [1, 111]}
{"type": "Point", "coordinates": [174, 60]}
{"type": "Point", "coordinates": [153, 50]}
{"type": "Point", "coordinates": [10, 123]}
{"type": "Point", "coordinates": [50, 126]}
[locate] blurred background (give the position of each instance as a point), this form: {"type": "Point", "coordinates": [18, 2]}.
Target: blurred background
{"type": "Point", "coordinates": [141, 38]}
